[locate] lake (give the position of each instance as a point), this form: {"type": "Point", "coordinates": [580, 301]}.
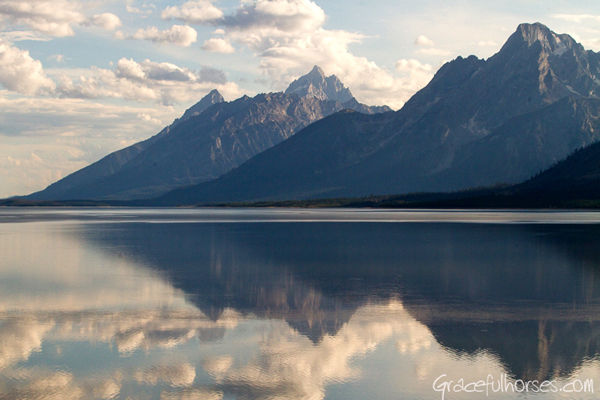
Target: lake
{"type": "Point", "coordinates": [298, 304]}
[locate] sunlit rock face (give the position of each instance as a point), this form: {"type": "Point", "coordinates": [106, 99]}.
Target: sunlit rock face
{"type": "Point", "coordinates": [316, 84]}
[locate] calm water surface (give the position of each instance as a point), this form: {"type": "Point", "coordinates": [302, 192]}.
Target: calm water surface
{"type": "Point", "coordinates": [298, 304]}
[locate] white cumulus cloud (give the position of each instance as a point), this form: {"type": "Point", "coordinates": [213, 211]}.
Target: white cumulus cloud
{"type": "Point", "coordinates": [486, 43]}
{"type": "Point", "coordinates": [415, 75]}
{"type": "Point", "coordinates": [107, 21]}
{"type": "Point", "coordinates": [17, 36]}
{"type": "Point", "coordinates": [193, 12]}
{"type": "Point", "coordinates": [263, 16]}
{"type": "Point", "coordinates": [52, 17]}
{"type": "Point", "coordinates": [289, 38]}
{"type": "Point", "coordinates": [57, 58]}
{"type": "Point", "coordinates": [129, 6]}
{"type": "Point", "coordinates": [148, 118]}
{"type": "Point", "coordinates": [423, 41]}
{"type": "Point", "coordinates": [21, 73]}
{"type": "Point", "coordinates": [593, 44]}
{"type": "Point", "coordinates": [180, 35]}
{"type": "Point", "coordinates": [412, 65]}
{"type": "Point", "coordinates": [147, 81]}
{"type": "Point", "coordinates": [153, 71]}
{"type": "Point", "coordinates": [218, 45]}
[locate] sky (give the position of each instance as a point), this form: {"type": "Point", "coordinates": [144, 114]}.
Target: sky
{"type": "Point", "coordinates": [80, 79]}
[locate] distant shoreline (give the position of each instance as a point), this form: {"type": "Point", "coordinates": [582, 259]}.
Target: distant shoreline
{"type": "Point", "coordinates": [472, 199]}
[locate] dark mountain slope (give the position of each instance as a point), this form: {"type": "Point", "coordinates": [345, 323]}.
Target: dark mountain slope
{"type": "Point", "coordinates": [205, 147]}
{"type": "Point", "coordinates": [582, 167]}
{"type": "Point", "coordinates": [295, 167]}
{"type": "Point", "coordinates": [573, 182]}
{"type": "Point", "coordinates": [525, 144]}
{"type": "Point", "coordinates": [113, 162]}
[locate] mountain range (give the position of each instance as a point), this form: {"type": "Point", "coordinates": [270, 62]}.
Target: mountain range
{"type": "Point", "coordinates": [211, 138]}
{"type": "Point", "coordinates": [477, 123]}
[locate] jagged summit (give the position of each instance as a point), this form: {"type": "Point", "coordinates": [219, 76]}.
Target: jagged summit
{"type": "Point", "coordinates": [551, 65]}
{"type": "Point", "coordinates": [528, 35]}
{"type": "Point", "coordinates": [316, 72]}
{"type": "Point", "coordinates": [535, 32]}
{"type": "Point", "coordinates": [316, 84]}
{"type": "Point", "coordinates": [213, 97]}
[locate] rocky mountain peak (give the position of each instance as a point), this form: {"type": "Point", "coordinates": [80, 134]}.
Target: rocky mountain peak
{"type": "Point", "coordinates": [536, 32]}
{"type": "Point", "coordinates": [211, 98]}
{"type": "Point", "coordinates": [542, 67]}
{"type": "Point", "coordinates": [316, 73]}
{"type": "Point", "coordinates": [214, 96]}
{"type": "Point", "coordinates": [316, 84]}
{"type": "Point", "coordinates": [528, 35]}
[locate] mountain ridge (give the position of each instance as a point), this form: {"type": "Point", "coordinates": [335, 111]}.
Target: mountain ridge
{"type": "Point", "coordinates": [210, 138]}
{"type": "Point", "coordinates": [440, 140]}
{"type": "Point", "coordinates": [113, 162]}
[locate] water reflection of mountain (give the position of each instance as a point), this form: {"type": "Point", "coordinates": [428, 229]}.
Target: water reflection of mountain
{"type": "Point", "coordinates": [220, 271]}
{"type": "Point", "coordinates": [527, 293]}
{"type": "Point", "coordinates": [530, 350]}
{"type": "Point", "coordinates": [536, 307]}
